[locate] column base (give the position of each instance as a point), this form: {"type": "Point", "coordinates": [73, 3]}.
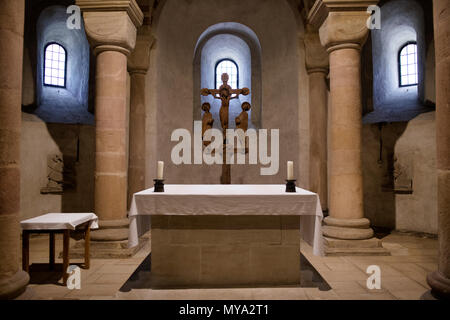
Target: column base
{"type": "Point", "coordinates": [14, 286]}
{"type": "Point", "coordinates": [351, 237]}
{"type": "Point", "coordinates": [111, 230]}
{"type": "Point", "coordinates": [367, 247]}
{"type": "Point", "coordinates": [440, 285]}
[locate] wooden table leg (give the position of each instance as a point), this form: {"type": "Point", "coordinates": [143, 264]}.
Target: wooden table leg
{"type": "Point", "coordinates": [66, 242]}
{"type": "Point", "coordinates": [26, 251]}
{"type": "Point", "coordinates": [52, 251]}
{"type": "Point", "coordinates": [87, 242]}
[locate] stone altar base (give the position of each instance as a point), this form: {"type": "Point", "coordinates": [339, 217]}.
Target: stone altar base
{"type": "Point", "coordinates": [225, 251]}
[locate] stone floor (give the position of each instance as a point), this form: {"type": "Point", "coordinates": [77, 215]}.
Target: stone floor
{"type": "Point", "coordinates": [403, 276]}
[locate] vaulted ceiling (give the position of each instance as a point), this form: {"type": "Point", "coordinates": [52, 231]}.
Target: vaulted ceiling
{"type": "Point", "coordinates": [152, 9]}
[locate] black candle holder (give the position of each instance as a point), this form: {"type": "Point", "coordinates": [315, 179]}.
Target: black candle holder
{"type": "Point", "coordinates": [159, 185]}
{"type": "Point", "coordinates": [290, 186]}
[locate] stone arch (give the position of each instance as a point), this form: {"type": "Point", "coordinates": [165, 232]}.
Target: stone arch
{"type": "Point", "coordinates": [67, 104]}
{"type": "Point", "coordinates": [179, 28]}
{"type": "Point", "coordinates": [402, 22]}
{"type": "Point", "coordinates": [240, 39]}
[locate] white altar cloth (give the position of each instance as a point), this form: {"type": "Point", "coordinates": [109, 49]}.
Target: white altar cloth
{"type": "Point", "coordinates": [59, 221]}
{"type": "Point", "coordinates": [217, 199]}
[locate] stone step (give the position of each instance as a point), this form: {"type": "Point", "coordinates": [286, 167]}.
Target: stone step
{"type": "Point", "coordinates": [106, 253]}
{"type": "Point", "coordinates": [103, 244]}
{"type": "Point", "coordinates": [356, 252]}
{"type": "Point", "coordinates": [107, 249]}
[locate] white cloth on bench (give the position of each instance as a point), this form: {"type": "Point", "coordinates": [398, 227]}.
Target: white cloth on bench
{"type": "Point", "coordinates": [59, 221]}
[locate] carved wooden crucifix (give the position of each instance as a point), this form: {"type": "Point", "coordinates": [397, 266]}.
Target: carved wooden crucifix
{"type": "Point", "coordinates": [225, 93]}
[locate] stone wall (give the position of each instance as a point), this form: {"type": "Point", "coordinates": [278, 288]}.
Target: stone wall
{"type": "Point", "coordinates": [408, 156]}
{"type": "Point", "coordinates": [275, 25]}
{"type": "Point", "coordinates": [75, 145]}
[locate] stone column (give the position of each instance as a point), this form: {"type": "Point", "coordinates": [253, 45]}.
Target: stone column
{"type": "Point", "coordinates": [13, 280]}
{"type": "Point", "coordinates": [111, 28]}
{"type": "Point", "coordinates": [343, 33]}
{"type": "Point", "coordinates": [439, 280]}
{"type": "Point", "coordinates": [138, 64]}
{"type": "Point", "coordinates": [317, 68]}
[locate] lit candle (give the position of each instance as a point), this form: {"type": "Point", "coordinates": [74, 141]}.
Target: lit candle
{"type": "Point", "coordinates": [160, 170]}
{"type": "Point", "coordinates": [290, 170]}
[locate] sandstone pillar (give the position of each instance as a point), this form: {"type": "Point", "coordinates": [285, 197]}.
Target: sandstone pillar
{"type": "Point", "coordinates": [138, 64]}
{"type": "Point", "coordinates": [13, 280]}
{"type": "Point", "coordinates": [111, 28]}
{"type": "Point", "coordinates": [317, 68]}
{"type": "Point", "coordinates": [439, 280]}
{"type": "Point", "coordinates": [343, 32]}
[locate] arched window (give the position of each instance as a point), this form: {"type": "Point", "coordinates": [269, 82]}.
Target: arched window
{"type": "Point", "coordinates": [55, 65]}
{"type": "Point", "coordinates": [230, 67]}
{"type": "Point", "coordinates": [408, 65]}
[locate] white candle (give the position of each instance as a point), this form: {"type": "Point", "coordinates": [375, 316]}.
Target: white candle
{"type": "Point", "coordinates": [160, 170]}
{"type": "Point", "coordinates": [290, 170]}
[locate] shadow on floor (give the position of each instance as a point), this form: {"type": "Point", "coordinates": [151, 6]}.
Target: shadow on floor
{"type": "Point", "coordinates": [381, 232]}
{"type": "Point", "coordinates": [141, 277]}
{"type": "Point", "coordinates": [40, 273]}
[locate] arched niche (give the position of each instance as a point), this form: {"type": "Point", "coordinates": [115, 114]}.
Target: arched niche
{"type": "Point", "coordinates": [237, 42]}
{"type": "Point", "coordinates": [67, 104]}
{"type": "Point", "coordinates": [402, 22]}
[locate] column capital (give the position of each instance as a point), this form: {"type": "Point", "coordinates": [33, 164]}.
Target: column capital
{"type": "Point", "coordinates": [111, 25]}
{"type": "Point", "coordinates": [316, 57]}
{"type": "Point", "coordinates": [139, 60]}
{"type": "Point", "coordinates": [341, 23]}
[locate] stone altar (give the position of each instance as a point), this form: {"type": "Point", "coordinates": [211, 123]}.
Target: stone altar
{"type": "Point", "coordinates": [226, 235]}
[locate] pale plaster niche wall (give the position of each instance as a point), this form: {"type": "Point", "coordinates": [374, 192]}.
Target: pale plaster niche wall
{"type": "Point", "coordinates": [237, 42]}
{"type": "Point", "coordinates": [177, 31]}
{"type": "Point", "coordinates": [40, 139]}
{"type": "Point", "coordinates": [69, 104]}
{"type": "Point", "coordinates": [412, 145]}
{"type": "Point", "coordinates": [402, 21]}
{"type": "Point", "coordinates": [219, 47]}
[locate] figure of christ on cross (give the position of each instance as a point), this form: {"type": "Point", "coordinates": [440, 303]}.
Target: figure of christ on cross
{"type": "Point", "coordinates": [225, 93]}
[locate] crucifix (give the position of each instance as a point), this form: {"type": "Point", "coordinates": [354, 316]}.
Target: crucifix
{"type": "Point", "coordinates": [225, 93]}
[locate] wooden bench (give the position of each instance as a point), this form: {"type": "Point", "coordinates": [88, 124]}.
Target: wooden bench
{"type": "Point", "coordinates": [58, 223]}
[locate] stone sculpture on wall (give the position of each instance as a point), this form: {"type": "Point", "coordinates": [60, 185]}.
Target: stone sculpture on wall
{"type": "Point", "coordinates": [60, 175]}
{"type": "Point", "coordinates": [207, 121]}
{"type": "Point", "coordinates": [242, 119]}
{"type": "Point", "coordinates": [403, 183]}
